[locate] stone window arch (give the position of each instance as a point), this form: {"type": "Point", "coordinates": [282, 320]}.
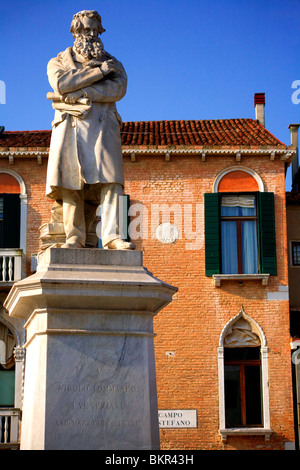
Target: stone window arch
{"type": "Point", "coordinates": [244, 332]}
{"type": "Point", "coordinates": [238, 179]}
{"type": "Point", "coordinates": [12, 183]}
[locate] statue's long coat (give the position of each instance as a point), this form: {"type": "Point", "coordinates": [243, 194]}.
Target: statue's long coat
{"type": "Point", "coordinates": [85, 150]}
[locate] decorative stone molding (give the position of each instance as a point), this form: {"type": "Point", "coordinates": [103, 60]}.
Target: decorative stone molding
{"type": "Point", "coordinates": [19, 353]}
{"type": "Point", "coordinates": [23, 153]}
{"type": "Point", "coordinates": [255, 328]}
{"type": "Point", "coordinates": [271, 153]}
{"type": "Point", "coordinates": [284, 154]}
{"type": "Point", "coordinates": [238, 168]}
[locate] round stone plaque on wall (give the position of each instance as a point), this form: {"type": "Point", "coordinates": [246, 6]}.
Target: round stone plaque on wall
{"type": "Point", "coordinates": [167, 233]}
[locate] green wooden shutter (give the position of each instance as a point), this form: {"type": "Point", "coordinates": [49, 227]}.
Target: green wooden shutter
{"type": "Point", "coordinates": [7, 388]}
{"type": "Point", "coordinates": [11, 221]}
{"type": "Point", "coordinates": [266, 233]}
{"type": "Point", "coordinates": [212, 234]}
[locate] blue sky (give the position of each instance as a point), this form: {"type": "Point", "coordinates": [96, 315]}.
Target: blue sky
{"type": "Point", "coordinates": [192, 59]}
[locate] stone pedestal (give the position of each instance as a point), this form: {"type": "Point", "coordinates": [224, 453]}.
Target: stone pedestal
{"type": "Point", "coordinates": [90, 373]}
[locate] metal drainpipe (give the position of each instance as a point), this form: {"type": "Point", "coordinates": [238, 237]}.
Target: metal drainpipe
{"type": "Point", "coordinates": [295, 163]}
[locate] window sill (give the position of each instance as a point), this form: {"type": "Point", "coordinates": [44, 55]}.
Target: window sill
{"type": "Point", "coordinates": [218, 278]}
{"type": "Point", "coordinates": [245, 432]}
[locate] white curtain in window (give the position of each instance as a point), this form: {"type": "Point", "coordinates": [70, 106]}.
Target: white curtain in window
{"type": "Point", "coordinates": [238, 201]}
{"type": "Point", "coordinates": [249, 247]}
{"type": "Point", "coordinates": [229, 248]}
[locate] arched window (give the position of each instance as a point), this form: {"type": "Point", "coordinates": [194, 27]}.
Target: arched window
{"type": "Point", "coordinates": [7, 366]}
{"type": "Point", "coordinates": [13, 222]}
{"type": "Point", "coordinates": [239, 225]}
{"type": "Point", "coordinates": [9, 211]}
{"type": "Point", "coordinates": [243, 378]}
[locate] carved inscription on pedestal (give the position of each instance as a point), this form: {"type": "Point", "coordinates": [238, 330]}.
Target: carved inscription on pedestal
{"type": "Point", "coordinates": [99, 405]}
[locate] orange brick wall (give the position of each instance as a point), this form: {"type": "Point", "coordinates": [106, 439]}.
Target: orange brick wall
{"type": "Point", "coordinates": [191, 325]}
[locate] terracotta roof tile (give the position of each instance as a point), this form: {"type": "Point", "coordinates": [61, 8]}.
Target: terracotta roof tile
{"type": "Point", "coordinates": [222, 132]}
{"type": "Point", "coordinates": [25, 139]}
{"type": "Point", "coordinates": [237, 132]}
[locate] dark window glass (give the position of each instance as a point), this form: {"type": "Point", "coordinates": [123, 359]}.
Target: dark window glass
{"type": "Point", "coordinates": [296, 253]}
{"type": "Point", "coordinates": [242, 368]}
{"type": "Point", "coordinates": [9, 221]}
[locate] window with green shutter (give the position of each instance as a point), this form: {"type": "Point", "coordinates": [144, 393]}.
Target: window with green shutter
{"type": "Point", "coordinates": [240, 233]}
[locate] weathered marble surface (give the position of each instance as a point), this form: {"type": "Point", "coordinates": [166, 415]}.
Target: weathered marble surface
{"type": "Point", "coordinates": [90, 372]}
{"type": "Point", "coordinates": [85, 165]}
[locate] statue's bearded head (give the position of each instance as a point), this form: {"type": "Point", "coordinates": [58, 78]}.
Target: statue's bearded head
{"type": "Point", "coordinates": [86, 27]}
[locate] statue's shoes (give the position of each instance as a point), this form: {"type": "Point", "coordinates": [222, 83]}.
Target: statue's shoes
{"type": "Point", "coordinates": [119, 244]}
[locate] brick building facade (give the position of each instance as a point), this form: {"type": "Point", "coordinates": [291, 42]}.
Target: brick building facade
{"type": "Point", "coordinates": [207, 208]}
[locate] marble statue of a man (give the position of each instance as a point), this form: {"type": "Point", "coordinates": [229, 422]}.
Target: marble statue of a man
{"type": "Point", "coordinates": [85, 167]}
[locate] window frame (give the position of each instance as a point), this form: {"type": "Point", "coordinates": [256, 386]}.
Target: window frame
{"type": "Point", "coordinates": [292, 263]}
{"type": "Point", "coordinates": [267, 259]}
{"type": "Point", "coordinates": [239, 220]}
{"type": "Point", "coordinates": [265, 430]}
{"type": "Point", "coordinates": [10, 221]}
{"type": "Point", "coordinates": [23, 206]}
{"type": "Point", "coordinates": [242, 364]}
{"type": "Point", "coordinates": [18, 367]}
